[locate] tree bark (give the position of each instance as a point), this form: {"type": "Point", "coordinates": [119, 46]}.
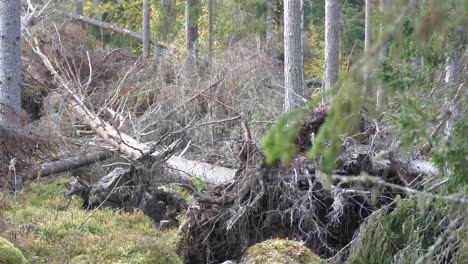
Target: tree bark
{"type": "Point", "coordinates": [332, 44]}
{"type": "Point", "coordinates": [191, 33]}
{"type": "Point", "coordinates": [293, 54]}
{"type": "Point", "coordinates": [270, 18]}
{"type": "Point", "coordinates": [367, 41]}
{"type": "Point", "coordinates": [66, 165]}
{"type": "Point", "coordinates": [146, 27]}
{"type": "Point", "coordinates": [10, 63]}
{"type": "Point", "coordinates": [210, 30]}
{"type": "Point", "coordinates": [383, 45]}
{"type": "Point", "coordinates": [78, 7]}
{"type": "Point", "coordinates": [107, 26]}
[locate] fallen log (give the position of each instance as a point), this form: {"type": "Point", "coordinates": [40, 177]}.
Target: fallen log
{"type": "Point", "coordinates": [59, 166]}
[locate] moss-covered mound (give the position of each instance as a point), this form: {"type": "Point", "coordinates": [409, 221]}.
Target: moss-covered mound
{"type": "Point", "coordinates": [279, 251]}
{"type": "Point", "coordinates": [9, 254]}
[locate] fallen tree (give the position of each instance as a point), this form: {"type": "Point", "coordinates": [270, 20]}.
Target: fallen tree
{"type": "Point", "coordinates": [128, 145]}
{"type": "Point", "coordinates": [293, 201]}
{"type": "Point", "coordinates": [60, 166]}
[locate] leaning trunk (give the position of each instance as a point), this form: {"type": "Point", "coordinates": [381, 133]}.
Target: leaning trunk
{"type": "Point", "coordinates": [293, 54]}
{"type": "Point", "coordinates": [332, 31]}
{"type": "Point", "coordinates": [10, 62]}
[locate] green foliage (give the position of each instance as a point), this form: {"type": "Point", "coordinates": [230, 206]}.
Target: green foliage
{"type": "Point", "coordinates": [199, 183]}
{"type": "Point", "coordinates": [48, 231]}
{"type": "Point", "coordinates": [279, 251]}
{"type": "Point", "coordinates": [453, 158]}
{"type": "Point", "coordinates": [398, 237]}
{"type": "Point", "coordinates": [9, 254]}
{"type": "Point", "coordinates": [279, 143]}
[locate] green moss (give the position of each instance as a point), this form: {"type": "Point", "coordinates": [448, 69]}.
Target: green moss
{"type": "Point", "coordinates": [9, 254]}
{"type": "Point", "coordinates": [49, 231]}
{"type": "Point", "coordinates": [279, 251]}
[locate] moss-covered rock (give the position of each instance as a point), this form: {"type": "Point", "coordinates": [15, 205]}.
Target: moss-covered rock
{"type": "Point", "coordinates": [279, 251]}
{"type": "Point", "coordinates": [9, 254]}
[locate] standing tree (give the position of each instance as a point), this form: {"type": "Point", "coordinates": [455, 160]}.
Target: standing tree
{"type": "Point", "coordinates": [10, 63]}
{"type": "Point", "coordinates": [210, 30]}
{"type": "Point", "coordinates": [191, 31]}
{"type": "Point", "coordinates": [78, 7]}
{"type": "Point", "coordinates": [293, 54]}
{"type": "Point", "coordinates": [270, 17]}
{"type": "Point", "coordinates": [332, 44]}
{"type": "Point", "coordinates": [146, 27]}
{"type": "Point", "coordinates": [367, 37]}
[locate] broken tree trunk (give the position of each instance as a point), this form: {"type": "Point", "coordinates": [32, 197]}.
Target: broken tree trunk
{"type": "Point", "coordinates": [66, 165]}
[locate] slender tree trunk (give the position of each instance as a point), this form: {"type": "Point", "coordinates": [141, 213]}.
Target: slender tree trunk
{"type": "Point", "coordinates": [210, 30]}
{"type": "Point", "coordinates": [367, 39]}
{"type": "Point", "coordinates": [78, 7]}
{"type": "Point", "coordinates": [10, 62]}
{"type": "Point", "coordinates": [453, 69]}
{"type": "Point", "coordinates": [332, 44]}
{"type": "Point", "coordinates": [293, 54]}
{"type": "Point", "coordinates": [191, 31]}
{"type": "Point", "coordinates": [380, 98]}
{"type": "Point", "coordinates": [270, 18]}
{"type": "Point", "coordinates": [383, 10]}
{"type": "Point", "coordinates": [146, 27]}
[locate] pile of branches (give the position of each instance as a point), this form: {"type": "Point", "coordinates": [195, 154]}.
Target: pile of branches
{"type": "Point", "coordinates": [290, 201]}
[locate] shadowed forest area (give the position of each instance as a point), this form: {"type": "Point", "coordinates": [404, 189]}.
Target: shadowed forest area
{"type": "Point", "coordinates": [222, 131]}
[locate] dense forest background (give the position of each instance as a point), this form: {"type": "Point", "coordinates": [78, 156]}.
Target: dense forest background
{"type": "Point", "coordinates": [233, 131]}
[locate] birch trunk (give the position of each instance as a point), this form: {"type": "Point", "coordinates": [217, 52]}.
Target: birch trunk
{"type": "Point", "coordinates": [293, 54]}
{"type": "Point", "coordinates": [146, 27]}
{"type": "Point", "coordinates": [10, 63]}
{"type": "Point", "coordinates": [332, 45]}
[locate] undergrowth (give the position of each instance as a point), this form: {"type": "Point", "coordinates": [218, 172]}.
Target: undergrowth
{"type": "Point", "coordinates": [46, 230]}
{"type": "Point", "coordinates": [411, 233]}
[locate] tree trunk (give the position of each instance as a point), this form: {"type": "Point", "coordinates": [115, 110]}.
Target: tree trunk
{"type": "Point", "coordinates": [382, 53]}
{"type": "Point", "coordinates": [10, 63]}
{"type": "Point", "coordinates": [367, 41]}
{"type": "Point", "coordinates": [332, 44]}
{"type": "Point", "coordinates": [191, 31]}
{"type": "Point", "coordinates": [78, 7]}
{"type": "Point", "coordinates": [210, 30]}
{"type": "Point", "coordinates": [293, 54]}
{"type": "Point", "coordinates": [383, 45]}
{"type": "Point", "coordinates": [270, 18]}
{"type": "Point", "coordinates": [107, 26]}
{"type": "Point", "coordinates": [146, 27]}
{"type": "Point", "coordinates": [66, 165]}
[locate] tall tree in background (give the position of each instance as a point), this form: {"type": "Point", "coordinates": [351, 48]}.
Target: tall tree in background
{"type": "Point", "coordinates": [367, 37]}
{"type": "Point", "coordinates": [293, 54]}
{"type": "Point", "coordinates": [10, 62]}
{"type": "Point", "coordinates": [146, 27]}
{"type": "Point", "coordinates": [270, 17]}
{"type": "Point", "coordinates": [332, 43]}
{"type": "Point", "coordinates": [210, 30]}
{"type": "Point", "coordinates": [78, 7]}
{"type": "Point", "coordinates": [191, 32]}
{"type": "Point", "coordinates": [383, 45]}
